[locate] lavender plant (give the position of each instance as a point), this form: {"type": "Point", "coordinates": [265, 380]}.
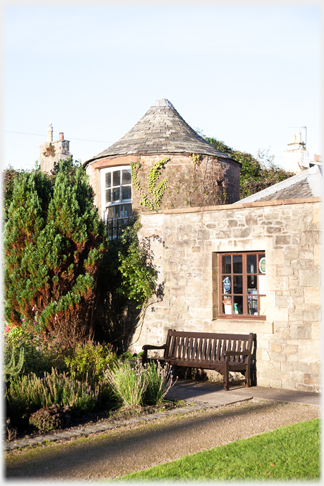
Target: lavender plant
{"type": "Point", "coordinates": [159, 381]}
{"type": "Point", "coordinates": [128, 382]}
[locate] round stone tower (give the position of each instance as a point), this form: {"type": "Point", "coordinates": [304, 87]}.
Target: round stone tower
{"type": "Point", "coordinates": [161, 163]}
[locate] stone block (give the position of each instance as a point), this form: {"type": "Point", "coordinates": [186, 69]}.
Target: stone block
{"type": "Point", "coordinates": [288, 385]}
{"type": "Point", "coordinates": [272, 230]}
{"type": "Point", "coordinates": [290, 349]}
{"type": "Point", "coordinates": [264, 365]}
{"type": "Point", "coordinates": [316, 330]}
{"type": "Point", "coordinates": [317, 214]}
{"type": "Point", "coordinates": [311, 316]}
{"type": "Point", "coordinates": [291, 252]}
{"type": "Point", "coordinates": [317, 255]}
{"type": "Point", "coordinates": [309, 351]}
{"type": "Point", "coordinates": [275, 257]}
{"type": "Point", "coordinates": [171, 266]}
{"type": "Point", "coordinates": [263, 381]}
{"type": "Point", "coordinates": [278, 357]}
{"type": "Point", "coordinates": [241, 232]}
{"type": "Point", "coordinates": [306, 255]}
{"type": "Point", "coordinates": [232, 223]}
{"type": "Point", "coordinates": [312, 295]}
{"type": "Point", "coordinates": [277, 283]}
{"type": "Point", "coordinates": [277, 314]}
{"type": "Point", "coordinates": [284, 271]}
{"type": "Point", "coordinates": [203, 234]}
{"type": "Point", "coordinates": [275, 383]}
{"type": "Point", "coordinates": [269, 214]}
{"type": "Point", "coordinates": [300, 332]}
{"type": "Point", "coordinates": [281, 240]}
{"type": "Point", "coordinates": [287, 366]}
{"type": "Point", "coordinates": [310, 277]}
{"type": "Point", "coordinates": [276, 348]}
{"type": "Point", "coordinates": [284, 301]}
{"type": "Point", "coordinates": [303, 367]}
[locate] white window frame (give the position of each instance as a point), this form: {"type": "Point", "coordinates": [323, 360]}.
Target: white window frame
{"type": "Point", "coordinates": [120, 201]}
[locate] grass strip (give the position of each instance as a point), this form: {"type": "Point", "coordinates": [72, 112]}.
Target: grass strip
{"type": "Point", "coordinates": [288, 453]}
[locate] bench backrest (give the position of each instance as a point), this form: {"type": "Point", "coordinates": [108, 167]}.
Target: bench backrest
{"type": "Point", "coordinates": [207, 346]}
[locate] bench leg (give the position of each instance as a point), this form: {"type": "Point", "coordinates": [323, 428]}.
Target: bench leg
{"type": "Point", "coordinates": [247, 377]}
{"type": "Point", "coordinates": [226, 380]}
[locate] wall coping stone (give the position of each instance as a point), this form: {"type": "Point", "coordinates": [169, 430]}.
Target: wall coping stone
{"type": "Point", "coordinates": [230, 207]}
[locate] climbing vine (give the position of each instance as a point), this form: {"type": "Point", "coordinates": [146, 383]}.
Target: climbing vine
{"type": "Point", "coordinates": [196, 159]}
{"type": "Point", "coordinates": [49, 151]}
{"type": "Point", "coordinates": [151, 200]}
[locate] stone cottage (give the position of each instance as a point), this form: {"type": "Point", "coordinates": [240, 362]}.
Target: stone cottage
{"type": "Point", "coordinates": [243, 266]}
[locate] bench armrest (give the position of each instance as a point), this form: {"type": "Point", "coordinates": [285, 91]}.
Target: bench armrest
{"type": "Point", "coordinates": [150, 346]}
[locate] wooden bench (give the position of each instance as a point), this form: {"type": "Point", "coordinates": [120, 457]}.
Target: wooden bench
{"type": "Point", "coordinates": [212, 351]}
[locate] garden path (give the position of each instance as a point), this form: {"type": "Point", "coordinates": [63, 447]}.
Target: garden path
{"type": "Point", "coordinates": [137, 446]}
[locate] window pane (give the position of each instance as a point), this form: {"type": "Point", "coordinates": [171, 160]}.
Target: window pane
{"type": "Point", "coordinates": [227, 305]}
{"type": "Point", "coordinates": [126, 192]}
{"type": "Point", "coordinates": [227, 285]}
{"type": "Point", "coordinates": [116, 192]}
{"type": "Point", "coordinates": [108, 179]}
{"type": "Point", "coordinates": [237, 263]}
{"type": "Point", "coordinates": [262, 287]}
{"type": "Point", "coordinates": [116, 178]}
{"type": "Point", "coordinates": [252, 284]}
{"type": "Point", "coordinates": [251, 264]}
{"type": "Point", "coordinates": [117, 211]}
{"type": "Point", "coordinates": [110, 213]}
{"type": "Point", "coordinates": [126, 176]}
{"type": "Point", "coordinates": [238, 304]}
{"type": "Point", "coordinates": [127, 210]}
{"type": "Point", "coordinates": [238, 284]}
{"type": "Point", "coordinates": [252, 305]}
{"type": "Point", "coordinates": [226, 264]}
{"type": "Point", "coordinates": [262, 265]}
{"type": "Point", "coordinates": [108, 196]}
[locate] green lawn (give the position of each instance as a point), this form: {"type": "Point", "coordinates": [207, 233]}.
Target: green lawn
{"type": "Point", "coordinates": [291, 452]}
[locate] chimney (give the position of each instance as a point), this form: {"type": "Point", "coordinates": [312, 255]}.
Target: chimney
{"type": "Point", "coordinates": [61, 136]}
{"type": "Point", "coordinates": [50, 133]}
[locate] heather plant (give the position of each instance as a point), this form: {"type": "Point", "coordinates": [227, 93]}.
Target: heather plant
{"type": "Point", "coordinates": [128, 382]}
{"type": "Point", "coordinates": [159, 381]}
{"type": "Point", "coordinates": [30, 392]}
{"type": "Point", "coordinates": [50, 418]}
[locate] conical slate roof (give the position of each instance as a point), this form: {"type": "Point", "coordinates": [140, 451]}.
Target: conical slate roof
{"type": "Point", "coordinates": [161, 130]}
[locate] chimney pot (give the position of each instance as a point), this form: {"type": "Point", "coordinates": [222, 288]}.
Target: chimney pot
{"type": "Point", "coordinates": [61, 136]}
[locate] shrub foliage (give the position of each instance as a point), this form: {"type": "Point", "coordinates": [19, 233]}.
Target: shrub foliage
{"type": "Point", "coordinates": [54, 242]}
{"type": "Point", "coordinates": [256, 173]}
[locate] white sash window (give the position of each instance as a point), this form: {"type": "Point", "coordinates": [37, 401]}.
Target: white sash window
{"type": "Point", "coordinates": [116, 190]}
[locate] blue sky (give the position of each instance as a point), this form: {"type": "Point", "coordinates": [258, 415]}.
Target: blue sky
{"type": "Point", "coordinates": [244, 74]}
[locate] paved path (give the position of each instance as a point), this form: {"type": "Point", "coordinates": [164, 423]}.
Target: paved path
{"type": "Point", "coordinates": [216, 418]}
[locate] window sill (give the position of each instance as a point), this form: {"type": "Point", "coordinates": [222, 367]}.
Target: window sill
{"type": "Point", "coordinates": [243, 325]}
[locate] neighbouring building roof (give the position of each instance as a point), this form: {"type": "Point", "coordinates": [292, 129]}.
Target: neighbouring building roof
{"type": "Point", "coordinates": [308, 183]}
{"type": "Point", "coordinates": [160, 131]}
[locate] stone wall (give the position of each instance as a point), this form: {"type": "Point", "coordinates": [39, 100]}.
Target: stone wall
{"type": "Point", "coordinates": [288, 348]}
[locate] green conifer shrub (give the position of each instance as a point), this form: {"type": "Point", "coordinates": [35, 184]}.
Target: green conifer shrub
{"type": "Point", "coordinates": [54, 241]}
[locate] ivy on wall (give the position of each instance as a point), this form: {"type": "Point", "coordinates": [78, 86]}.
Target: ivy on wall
{"type": "Point", "coordinates": [152, 199]}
